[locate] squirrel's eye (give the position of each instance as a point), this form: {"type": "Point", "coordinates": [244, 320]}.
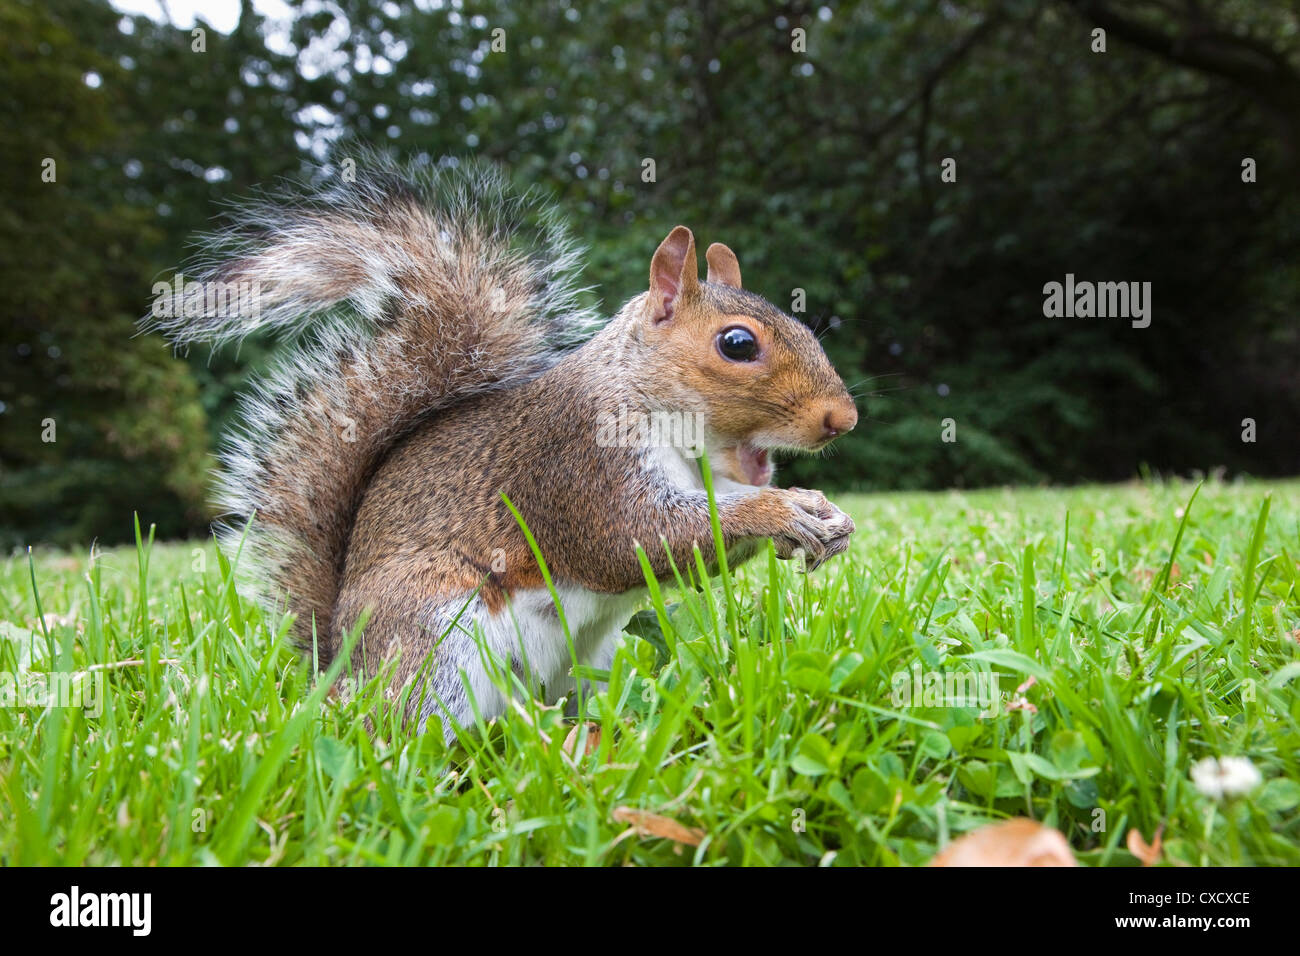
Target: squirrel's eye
{"type": "Point", "coordinates": [738, 344]}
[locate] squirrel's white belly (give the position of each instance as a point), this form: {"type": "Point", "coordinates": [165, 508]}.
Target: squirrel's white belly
{"type": "Point", "coordinates": [527, 639]}
{"type": "Point", "coordinates": [530, 620]}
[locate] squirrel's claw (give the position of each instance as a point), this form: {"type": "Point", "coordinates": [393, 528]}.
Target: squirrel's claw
{"type": "Point", "coordinates": [818, 530]}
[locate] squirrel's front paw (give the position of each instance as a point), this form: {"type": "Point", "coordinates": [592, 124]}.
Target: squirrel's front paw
{"type": "Point", "coordinates": [816, 528]}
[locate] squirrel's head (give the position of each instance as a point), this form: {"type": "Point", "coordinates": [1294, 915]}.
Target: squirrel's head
{"type": "Point", "coordinates": [758, 376]}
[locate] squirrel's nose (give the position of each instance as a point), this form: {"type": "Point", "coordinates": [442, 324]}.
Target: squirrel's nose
{"type": "Point", "coordinates": [840, 419]}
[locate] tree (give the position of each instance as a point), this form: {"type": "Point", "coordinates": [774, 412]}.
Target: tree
{"type": "Point", "coordinates": [97, 422]}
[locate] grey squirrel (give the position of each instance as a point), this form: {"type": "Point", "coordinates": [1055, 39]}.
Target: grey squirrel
{"type": "Point", "coordinates": [442, 357]}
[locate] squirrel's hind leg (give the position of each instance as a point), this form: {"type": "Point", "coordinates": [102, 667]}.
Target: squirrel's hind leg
{"type": "Point", "coordinates": [464, 672]}
{"type": "Point", "coordinates": [487, 657]}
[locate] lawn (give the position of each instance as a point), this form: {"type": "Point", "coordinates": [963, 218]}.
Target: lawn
{"type": "Point", "coordinates": [1065, 655]}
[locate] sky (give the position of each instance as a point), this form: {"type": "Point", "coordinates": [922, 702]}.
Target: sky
{"type": "Point", "coordinates": [222, 14]}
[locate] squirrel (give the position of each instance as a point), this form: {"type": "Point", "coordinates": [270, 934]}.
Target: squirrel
{"type": "Point", "coordinates": [441, 361]}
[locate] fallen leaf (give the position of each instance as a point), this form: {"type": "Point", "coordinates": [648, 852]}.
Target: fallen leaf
{"type": "Point", "coordinates": [1149, 855]}
{"type": "Point", "coordinates": [593, 739]}
{"type": "Point", "coordinates": [649, 824]}
{"type": "Point", "coordinates": [1018, 842]}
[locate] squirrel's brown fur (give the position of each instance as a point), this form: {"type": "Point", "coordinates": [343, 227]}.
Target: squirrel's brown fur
{"type": "Point", "coordinates": [445, 373]}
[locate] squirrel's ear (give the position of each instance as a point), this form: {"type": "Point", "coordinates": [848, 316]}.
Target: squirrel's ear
{"type": "Point", "coordinates": [724, 268]}
{"type": "Point", "coordinates": [674, 274]}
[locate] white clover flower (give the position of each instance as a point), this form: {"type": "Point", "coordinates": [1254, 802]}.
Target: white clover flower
{"type": "Point", "coordinates": [1225, 777]}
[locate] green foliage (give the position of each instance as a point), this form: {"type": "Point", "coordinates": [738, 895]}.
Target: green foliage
{"type": "Point", "coordinates": [1131, 632]}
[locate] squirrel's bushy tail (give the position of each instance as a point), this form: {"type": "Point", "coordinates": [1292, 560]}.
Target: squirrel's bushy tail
{"type": "Point", "coordinates": [405, 291]}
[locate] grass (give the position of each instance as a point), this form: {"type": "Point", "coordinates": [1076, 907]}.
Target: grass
{"type": "Point", "coordinates": [771, 721]}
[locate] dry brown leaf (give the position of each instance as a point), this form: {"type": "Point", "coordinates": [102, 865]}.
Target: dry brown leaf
{"type": "Point", "coordinates": [593, 739]}
{"type": "Point", "coordinates": [1018, 842]}
{"type": "Point", "coordinates": [1148, 854]}
{"type": "Point", "coordinates": [649, 824]}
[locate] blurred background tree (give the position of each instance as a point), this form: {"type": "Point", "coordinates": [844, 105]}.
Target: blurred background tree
{"type": "Point", "coordinates": [809, 137]}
